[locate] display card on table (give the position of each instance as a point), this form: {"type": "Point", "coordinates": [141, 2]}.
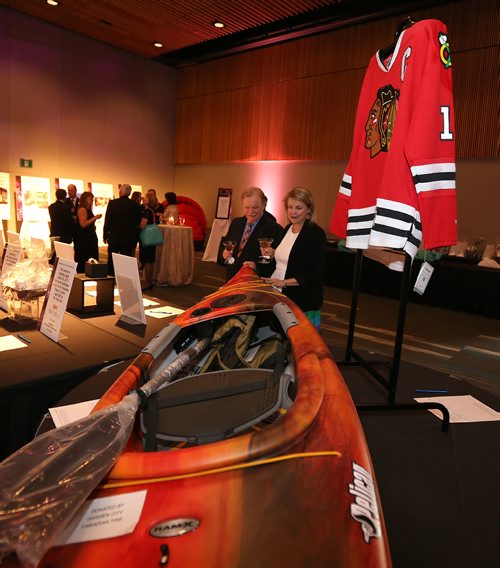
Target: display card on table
{"type": "Point", "coordinates": [13, 255]}
{"type": "Point", "coordinates": [13, 238]}
{"type": "Point", "coordinates": [64, 250]}
{"type": "Point", "coordinates": [129, 288]}
{"type": "Point", "coordinates": [56, 299]}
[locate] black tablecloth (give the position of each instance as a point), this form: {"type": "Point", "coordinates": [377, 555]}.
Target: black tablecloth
{"type": "Point", "coordinates": [455, 283]}
{"type": "Point", "coordinates": [35, 378]}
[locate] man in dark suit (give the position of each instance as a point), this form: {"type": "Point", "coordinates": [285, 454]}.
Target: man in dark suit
{"type": "Point", "coordinates": [121, 225]}
{"type": "Point", "coordinates": [72, 201]}
{"type": "Point", "coordinates": [61, 222]}
{"type": "Point", "coordinates": [246, 231]}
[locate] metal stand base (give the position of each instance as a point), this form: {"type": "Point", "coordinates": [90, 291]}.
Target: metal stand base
{"type": "Point", "coordinates": [353, 358]}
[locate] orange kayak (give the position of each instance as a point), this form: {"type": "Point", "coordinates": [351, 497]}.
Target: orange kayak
{"type": "Point", "coordinates": [292, 485]}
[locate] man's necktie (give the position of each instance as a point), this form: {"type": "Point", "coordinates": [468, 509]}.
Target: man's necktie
{"type": "Point", "coordinates": [244, 239]}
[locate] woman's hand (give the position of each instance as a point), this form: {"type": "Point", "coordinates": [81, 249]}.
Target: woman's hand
{"type": "Point", "coordinates": [276, 282]}
{"type": "Point", "coordinates": [250, 264]}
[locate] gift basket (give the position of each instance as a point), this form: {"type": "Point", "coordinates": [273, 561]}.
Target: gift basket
{"type": "Point", "coordinates": [25, 285]}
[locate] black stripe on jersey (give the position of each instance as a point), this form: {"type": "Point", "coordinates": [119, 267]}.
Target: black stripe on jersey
{"type": "Point", "coordinates": [361, 218]}
{"type": "Point", "coordinates": [394, 214]}
{"type": "Point", "coordinates": [346, 184]}
{"type": "Point", "coordinates": [414, 241]}
{"type": "Point", "coordinates": [356, 232]}
{"type": "Point", "coordinates": [390, 230]}
{"type": "Point", "coordinates": [438, 176]}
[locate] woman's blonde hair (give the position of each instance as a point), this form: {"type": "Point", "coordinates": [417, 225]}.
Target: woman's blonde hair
{"type": "Point", "coordinates": [85, 198]}
{"type": "Point", "coordinates": [304, 195]}
{"type": "Point", "coordinates": [152, 200]}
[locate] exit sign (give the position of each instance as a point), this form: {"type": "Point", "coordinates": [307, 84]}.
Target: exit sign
{"type": "Point", "coordinates": [26, 163]}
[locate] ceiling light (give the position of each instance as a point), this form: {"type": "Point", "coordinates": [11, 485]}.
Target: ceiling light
{"type": "Point", "coordinates": [158, 44]}
{"type": "Point", "coordinates": [218, 24]}
{"type": "Point", "coordinates": [53, 2]}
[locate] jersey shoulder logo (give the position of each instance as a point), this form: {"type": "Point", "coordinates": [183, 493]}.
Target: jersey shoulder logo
{"type": "Point", "coordinates": [381, 119]}
{"type": "Point", "coordinates": [444, 50]}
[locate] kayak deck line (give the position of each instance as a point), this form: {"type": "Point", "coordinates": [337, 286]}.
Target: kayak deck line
{"type": "Point", "coordinates": [256, 463]}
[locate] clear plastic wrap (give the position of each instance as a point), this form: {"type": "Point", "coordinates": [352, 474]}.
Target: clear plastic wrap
{"type": "Point", "coordinates": [28, 275]}
{"type": "Point", "coordinates": [44, 483]}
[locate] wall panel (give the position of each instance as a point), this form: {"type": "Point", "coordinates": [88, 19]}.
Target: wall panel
{"type": "Point", "coordinates": [297, 100]}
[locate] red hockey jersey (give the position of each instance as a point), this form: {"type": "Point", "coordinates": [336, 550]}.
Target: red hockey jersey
{"type": "Point", "coordinates": [399, 184]}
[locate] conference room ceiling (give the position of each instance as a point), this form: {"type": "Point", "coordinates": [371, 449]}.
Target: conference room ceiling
{"type": "Point", "coordinates": [186, 30]}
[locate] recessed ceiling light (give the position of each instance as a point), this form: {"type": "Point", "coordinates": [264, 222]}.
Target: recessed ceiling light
{"type": "Point", "coordinates": [218, 24]}
{"type": "Point", "coordinates": [158, 44]}
{"type": "Point", "coordinates": [53, 2]}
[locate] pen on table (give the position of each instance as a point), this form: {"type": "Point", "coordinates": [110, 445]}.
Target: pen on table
{"type": "Point", "coordinates": [160, 312]}
{"type": "Point", "coordinates": [433, 391]}
{"type": "Point", "coordinates": [23, 338]}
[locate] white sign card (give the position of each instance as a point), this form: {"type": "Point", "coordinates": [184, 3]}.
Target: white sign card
{"type": "Point", "coordinates": [104, 517]}
{"type": "Point", "coordinates": [10, 258]}
{"type": "Point", "coordinates": [13, 255]}
{"type": "Point", "coordinates": [223, 209]}
{"type": "Point", "coordinates": [64, 250]}
{"type": "Point", "coordinates": [56, 299]}
{"type": "Point", "coordinates": [463, 408]}
{"type": "Point", "coordinates": [35, 193]}
{"type": "Point", "coordinates": [4, 195]}
{"type": "Point", "coordinates": [8, 342]}
{"type": "Point", "coordinates": [129, 288]}
{"type": "Point", "coordinates": [163, 312]}
{"type": "Point", "coordinates": [13, 238]}
{"type": "Point", "coordinates": [103, 194]}
{"type": "Point", "coordinates": [423, 278]}
{"type": "Point", "coordinates": [62, 415]}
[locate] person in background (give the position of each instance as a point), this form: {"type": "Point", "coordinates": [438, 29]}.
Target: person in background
{"type": "Point", "coordinates": [72, 201]}
{"type": "Point", "coordinates": [299, 257]}
{"type": "Point", "coordinates": [121, 225]}
{"type": "Point", "coordinates": [147, 255]}
{"type": "Point", "coordinates": [137, 197]}
{"type": "Point", "coordinates": [61, 221]}
{"type": "Point", "coordinates": [170, 209]}
{"type": "Point", "coordinates": [246, 231]}
{"type": "Point", "coordinates": [155, 205]}
{"type": "Point", "coordinates": [86, 245]}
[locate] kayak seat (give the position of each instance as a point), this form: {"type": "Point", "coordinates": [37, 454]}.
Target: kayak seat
{"type": "Point", "coordinates": [212, 406]}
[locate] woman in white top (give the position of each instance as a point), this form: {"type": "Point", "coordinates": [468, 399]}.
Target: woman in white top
{"type": "Point", "coordinates": [300, 255]}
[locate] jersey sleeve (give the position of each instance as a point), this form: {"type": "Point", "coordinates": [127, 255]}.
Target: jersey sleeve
{"type": "Point", "coordinates": [338, 223]}
{"type": "Point", "coordinates": [430, 145]}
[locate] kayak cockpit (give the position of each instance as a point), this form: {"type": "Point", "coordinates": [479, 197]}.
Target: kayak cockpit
{"type": "Point", "coordinates": [243, 381]}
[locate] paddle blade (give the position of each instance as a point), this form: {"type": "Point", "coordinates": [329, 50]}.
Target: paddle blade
{"type": "Point", "coordinates": [44, 483]}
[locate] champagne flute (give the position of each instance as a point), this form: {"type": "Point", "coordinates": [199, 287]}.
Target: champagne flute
{"type": "Point", "coordinates": [264, 243]}
{"type": "Point", "coordinates": [229, 246]}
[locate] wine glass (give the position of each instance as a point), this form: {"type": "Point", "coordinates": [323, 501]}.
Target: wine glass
{"type": "Point", "coordinates": [265, 242]}
{"type": "Point", "coordinates": [229, 246]}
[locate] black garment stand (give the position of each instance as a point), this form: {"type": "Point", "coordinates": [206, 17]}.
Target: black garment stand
{"type": "Point", "coordinates": [353, 358]}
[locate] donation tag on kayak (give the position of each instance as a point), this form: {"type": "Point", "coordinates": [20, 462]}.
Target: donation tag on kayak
{"type": "Point", "coordinates": [106, 517]}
